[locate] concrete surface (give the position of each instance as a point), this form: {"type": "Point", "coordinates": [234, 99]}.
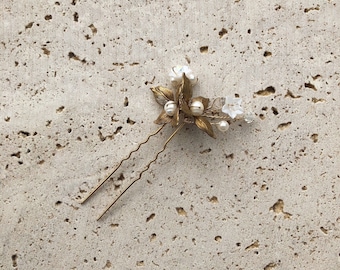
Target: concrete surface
{"type": "Point", "coordinates": [75, 99]}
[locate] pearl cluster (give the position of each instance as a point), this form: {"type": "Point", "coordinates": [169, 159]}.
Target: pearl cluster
{"type": "Point", "coordinates": [232, 105]}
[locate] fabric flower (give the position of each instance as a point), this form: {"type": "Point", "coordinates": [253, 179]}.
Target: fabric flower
{"type": "Point", "coordinates": [176, 74]}
{"type": "Point", "coordinates": [232, 106]}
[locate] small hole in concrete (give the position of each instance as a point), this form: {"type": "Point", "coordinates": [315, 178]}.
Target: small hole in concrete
{"type": "Point", "coordinates": [150, 217]}
{"type": "Point", "coordinates": [75, 16]}
{"type": "Point", "coordinates": [275, 111]}
{"type": "Point", "coordinates": [204, 49]}
{"type": "Point", "coordinates": [126, 102]}
{"type": "Point", "coordinates": [218, 238]}
{"type": "Point", "coordinates": [14, 260]}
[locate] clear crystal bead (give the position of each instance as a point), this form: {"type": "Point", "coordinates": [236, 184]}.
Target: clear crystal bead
{"type": "Point", "coordinates": [249, 117]}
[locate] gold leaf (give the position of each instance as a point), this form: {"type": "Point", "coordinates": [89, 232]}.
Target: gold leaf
{"type": "Point", "coordinates": [185, 89]}
{"type": "Point", "coordinates": [163, 118]}
{"type": "Point", "coordinates": [175, 118]}
{"type": "Point", "coordinates": [205, 101]}
{"type": "Point", "coordinates": [162, 94]}
{"type": "Point", "coordinates": [185, 108]}
{"type": "Point", "coordinates": [202, 123]}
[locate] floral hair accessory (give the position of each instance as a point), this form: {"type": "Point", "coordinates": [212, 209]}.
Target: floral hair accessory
{"type": "Point", "coordinates": [181, 108]}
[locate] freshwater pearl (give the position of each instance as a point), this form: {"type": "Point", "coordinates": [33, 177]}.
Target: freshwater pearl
{"type": "Point", "coordinates": [170, 108]}
{"type": "Point", "coordinates": [197, 108]}
{"type": "Point", "coordinates": [223, 126]}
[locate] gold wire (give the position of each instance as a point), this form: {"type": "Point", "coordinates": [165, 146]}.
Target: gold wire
{"type": "Point", "coordinates": [121, 162]}
{"type": "Point", "coordinates": [143, 171]}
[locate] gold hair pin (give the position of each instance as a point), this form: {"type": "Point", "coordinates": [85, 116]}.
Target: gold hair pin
{"type": "Point", "coordinates": [180, 108]}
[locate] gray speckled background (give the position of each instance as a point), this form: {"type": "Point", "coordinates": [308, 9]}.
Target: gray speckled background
{"type": "Point", "coordinates": [74, 83]}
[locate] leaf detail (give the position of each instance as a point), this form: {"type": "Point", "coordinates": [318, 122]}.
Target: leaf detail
{"type": "Point", "coordinates": [175, 118]}
{"type": "Point", "coordinates": [185, 89]}
{"type": "Point", "coordinates": [185, 108]}
{"type": "Point", "coordinates": [203, 124]}
{"type": "Point", "coordinates": [162, 94]}
{"type": "Point", "coordinates": [163, 118]}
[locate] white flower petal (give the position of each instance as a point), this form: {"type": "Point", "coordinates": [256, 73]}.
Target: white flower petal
{"type": "Point", "coordinates": [232, 106]}
{"type": "Point", "coordinates": [176, 74]}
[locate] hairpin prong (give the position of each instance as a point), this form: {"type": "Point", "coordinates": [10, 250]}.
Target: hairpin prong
{"type": "Point", "coordinates": [143, 171]}
{"type": "Point", "coordinates": [121, 162]}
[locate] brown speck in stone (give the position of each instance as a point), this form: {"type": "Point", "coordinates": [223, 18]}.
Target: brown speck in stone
{"type": "Point", "coordinates": [75, 16]}
{"type": "Point", "coordinates": [311, 86]}
{"type": "Point", "coordinates": [270, 266]}
{"type": "Point", "coordinates": [223, 32]}
{"type": "Point", "coordinates": [291, 95]}
{"type": "Point", "coordinates": [253, 245]}
{"type": "Point", "coordinates": [46, 51]}
{"type": "Point", "coordinates": [181, 211]}
{"type": "Point", "coordinates": [24, 133]}
{"type": "Point", "coordinates": [277, 208]}
{"type": "Point", "coordinates": [93, 29]}
{"type": "Point", "coordinates": [317, 100]}
{"type": "Point", "coordinates": [284, 125]}
{"type": "Point", "coordinates": [306, 10]}
{"type": "Point", "coordinates": [71, 55]}
{"type": "Point", "coordinates": [14, 260]}
{"type": "Point", "coordinates": [229, 156]}
{"type": "Point", "coordinates": [126, 102]}
{"type": "Point", "coordinates": [266, 92]}
{"type": "Point", "coordinates": [205, 151]}
{"type": "Point", "coordinates": [29, 25]}
{"type": "Point", "coordinates": [131, 122]}
{"type": "Point", "coordinates": [218, 238]}
{"type": "Point", "coordinates": [48, 17]}
{"type": "Point", "coordinates": [267, 53]}
{"type": "Point", "coordinates": [325, 231]}
{"type": "Point", "coordinates": [17, 154]}
{"type": "Point", "coordinates": [213, 199]}
{"type": "Point", "coordinates": [204, 49]}
{"type": "Point", "coordinates": [60, 109]}
{"type": "Point", "coordinates": [275, 111]}
{"type": "Point", "coordinates": [314, 137]}
{"type": "Point", "coordinates": [150, 217]}
{"type": "Point", "coordinates": [140, 263]}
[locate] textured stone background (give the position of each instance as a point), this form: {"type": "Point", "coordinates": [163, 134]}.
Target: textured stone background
{"type": "Point", "coordinates": [75, 99]}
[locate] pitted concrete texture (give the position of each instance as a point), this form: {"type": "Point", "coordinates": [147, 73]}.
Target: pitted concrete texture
{"type": "Point", "coordinates": [75, 99]}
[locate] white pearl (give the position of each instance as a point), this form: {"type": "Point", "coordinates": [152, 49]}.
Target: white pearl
{"type": "Point", "coordinates": [197, 108]}
{"type": "Point", "coordinates": [223, 126]}
{"type": "Point", "coordinates": [170, 108]}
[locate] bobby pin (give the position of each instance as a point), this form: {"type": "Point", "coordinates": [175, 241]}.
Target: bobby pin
{"type": "Point", "coordinates": [180, 108]}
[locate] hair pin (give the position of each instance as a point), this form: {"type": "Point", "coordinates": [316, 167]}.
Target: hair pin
{"type": "Point", "coordinates": [179, 109]}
